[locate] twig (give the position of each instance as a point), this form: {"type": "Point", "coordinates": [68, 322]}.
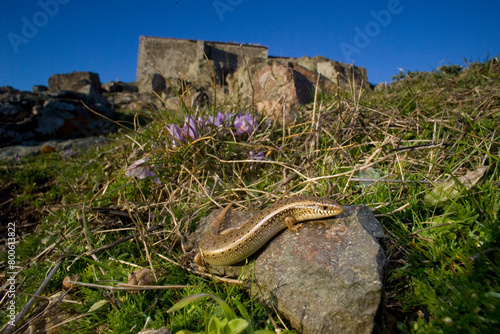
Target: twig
{"type": "Point", "coordinates": [68, 321]}
{"type": "Point", "coordinates": [9, 328]}
{"type": "Point", "coordinates": [211, 276]}
{"type": "Point", "coordinates": [261, 161]}
{"type": "Point", "coordinates": [122, 286]}
{"type": "Point", "coordinates": [405, 148]}
{"type": "Point", "coordinates": [428, 228]}
{"type": "Point", "coordinates": [273, 322]}
{"type": "Point", "coordinates": [119, 241]}
{"type": "Point", "coordinates": [394, 211]}
{"type": "Point", "coordinates": [360, 179]}
{"type": "Point", "coordinates": [40, 314]}
{"type": "Point", "coordinates": [478, 255]}
{"type": "Point", "coordinates": [69, 301]}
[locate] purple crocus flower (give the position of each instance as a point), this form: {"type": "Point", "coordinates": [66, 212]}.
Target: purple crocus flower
{"type": "Point", "coordinates": [177, 134]}
{"type": "Point", "coordinates": [258, 156]}
{"type": "Point", "coordinates": [201, 123]}
{"type": "Point", "coordinates": [141, 170]}
{"type": "Point", "coordinates": [227, 118]}
{"type": "Point", "coordinates": [191, 127]}
{"type": "Point", "coordinates": [220, 119]}
{"type": "Point", "coordinates": [217, 120]}
{"type": "Point", "coordinates": [68, 153]}
{"type": "Point", "coordinates": [245, 123]}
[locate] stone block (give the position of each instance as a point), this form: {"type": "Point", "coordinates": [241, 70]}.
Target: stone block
{"type": "Point", "coordinates": [83, 82]}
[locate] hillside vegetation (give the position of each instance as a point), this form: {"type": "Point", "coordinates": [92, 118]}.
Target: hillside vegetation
{"type": "Point", "coordinates": [423, 154]}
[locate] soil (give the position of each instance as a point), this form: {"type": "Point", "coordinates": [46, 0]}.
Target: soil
{"type": "Point", "coordinates": [24, 217]}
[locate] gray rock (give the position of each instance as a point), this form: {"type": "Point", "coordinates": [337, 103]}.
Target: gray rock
{"type": "Point", "coordinates": [16, 109]}
{"type": "Point", "coordinates": [118, 100]}
{"type": "Point", "coordinates": [44, 116]}
{"type": "Point", "coordinates": [7, 90]}
{"type": "Point", "coordinates": [40, 88]}
{"type": "Point", "coordinates": [9, 109]}
{"type": "Point", "coordinates": [280, 90]}
{"type": "Point", "coordinates": [325, 278]}
{"type": "Point", "coordinates": [329, 68]}
{"type": "Point", "coordinates": [65, 116]}
{"type": "Point", "coordinates": [328, 277]}
{"type": "Point", "coordinates": [152, 83]}
{"type": "Point", "coordinates": [119, 87]}
{"type": "Point", "coordinates": [84, 82]}
{"type": "Point", "coordinates": [381, 86]}
{"type": "Point", "coordinates": [21, 151]}
{"type": "Point", "coordinates": [200, 99]}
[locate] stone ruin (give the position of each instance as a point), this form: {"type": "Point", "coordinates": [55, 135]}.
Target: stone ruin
{"type": "Point", "coordinates": [78, 105]}
{"type": "Point", "coordinates": [242, 72]}
{"type": "Point", "coordinates": [184, 58]}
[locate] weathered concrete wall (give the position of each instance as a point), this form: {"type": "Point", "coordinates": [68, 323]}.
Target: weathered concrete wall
{"type": "Point", "coordinates": [330, 68]}
{"type": "Point", "coordinates": [178, 58]}
{"type": "Point", "coordinates": [231, 55]}
{"type": "Point", "coordinates": [170, 56]}
{"type": "Point", "coordinates": [185, 59]}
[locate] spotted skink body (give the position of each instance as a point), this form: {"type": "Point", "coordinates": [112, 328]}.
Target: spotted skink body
{"type": "Point", "coordinates": [236, 244]}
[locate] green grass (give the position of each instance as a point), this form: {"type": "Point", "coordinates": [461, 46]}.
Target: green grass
{"type": "Point", "coordinates": [428, 129]}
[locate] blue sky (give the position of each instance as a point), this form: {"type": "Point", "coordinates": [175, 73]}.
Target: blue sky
{"type": "Point", "coordinates": [41, 38]}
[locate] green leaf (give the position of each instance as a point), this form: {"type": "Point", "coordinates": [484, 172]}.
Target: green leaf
{"type": "Point", "coordinates": [492, 294]}
{"type": "Point", "coordinates": [102, 265]}
{"type": "Point", "coordinates": [228, 312]}
{"type": "Point", "coordinates": [237, 326]}
{"type": "Point", "coordinates": [242, 309]}
{"type": "Point", "coordinates": [214, 326]}
{"type": "Point", "coordinates": [184, 331]}
{"type": "Point", "coordinates": [455, 187]}
{"type": "Point", "coordinates": [264, 331]}
{"type": "Point", "coordinates": [98, 305]}
{"type": "Point", "coordinates": [87, 231]}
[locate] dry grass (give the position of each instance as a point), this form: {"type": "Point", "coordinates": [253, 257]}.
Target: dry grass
{"type": "Point", "coordinates": [382, 149]}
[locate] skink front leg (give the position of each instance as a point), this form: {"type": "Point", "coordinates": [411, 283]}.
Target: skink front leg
{"type": "Point", "coordinates": [290, 222]}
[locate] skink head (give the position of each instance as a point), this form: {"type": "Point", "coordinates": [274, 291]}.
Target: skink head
{"type": "Point", "coordinates": [317, 208]}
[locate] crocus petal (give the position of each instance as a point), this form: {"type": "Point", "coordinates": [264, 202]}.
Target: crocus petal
{"type": "Point", "coordinates": [177, 132]}
{"type": "Point", "coordinates": [245, 123]}
{"type": "Point", "coordinates": [190, 128]}
{"type": "Point", "coordinates": [227, 118]}
{"type": "Point", "coordinates": [216, 121]}
{"type": "Point", "coordinates": [258, 156]}
{"type": "Point", "coordinates": [141, 170]}
{"type": "Point", "coordinates": [135, 169]}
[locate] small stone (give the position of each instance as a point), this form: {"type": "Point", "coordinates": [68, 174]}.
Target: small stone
{"type": "Point", "coordinates": [67, 285]}
{"type": "Point", "coordinates": [140, 277]}
{"type": "Point", "coordinates": [46, 149]}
